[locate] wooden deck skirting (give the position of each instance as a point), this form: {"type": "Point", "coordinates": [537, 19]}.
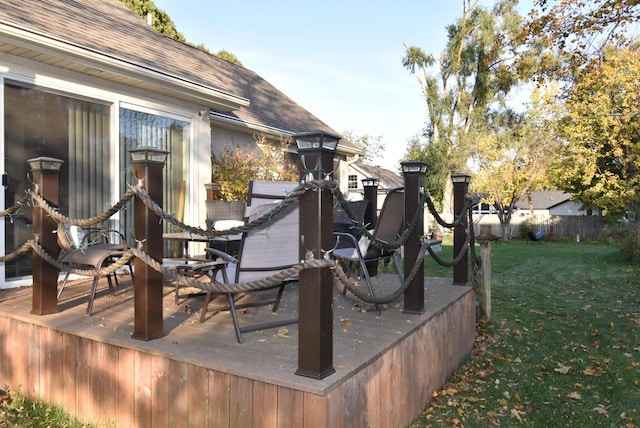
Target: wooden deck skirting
{"type": "Point", "coordinates": [106, 383]}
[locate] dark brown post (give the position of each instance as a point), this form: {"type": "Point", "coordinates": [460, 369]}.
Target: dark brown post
{"type": "Point", "coordinates": [45, 277]}
{"type": "Point", "coordinates": [414, 172]}
{"type": "Point", "coordinates": [370, 185]}
{"type": "Point", "coordinates": [148, 164]}
{"type": "Point", "coordinates": [460, 269]}
{"type": "Point", "coordinates": [315, 332]}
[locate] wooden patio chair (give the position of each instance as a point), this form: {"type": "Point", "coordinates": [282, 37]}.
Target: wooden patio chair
{"type": "Point", "coordinates": [263, 252]}
{"type": "Point", "coordinates": [90, 249]}
{"type": "Point", "coordinates": [359, 252]}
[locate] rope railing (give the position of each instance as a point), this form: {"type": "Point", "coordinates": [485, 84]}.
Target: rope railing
{"type": "Point", "coordinates": [362, 228]}
{"type": "Point", "coordinates": [16, 206]}
{"type": "Point", "coordinates": [381, 300]}
{"type": "Point", "coordinates": [215, 286]}
{"type": "Point", "coordinates": [87, 222]}
{"type": "Point", "coordinates": [458, 218]}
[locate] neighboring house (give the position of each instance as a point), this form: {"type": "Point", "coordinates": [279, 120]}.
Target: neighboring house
{"type": "Point", "coordinates": [549, 203]}
{"type": "Point", "coordinates": [86, 80]}
{"type": "Point", "coordinates": [358, 171]}
{"type": "Point", "coordinates": [543, 205]}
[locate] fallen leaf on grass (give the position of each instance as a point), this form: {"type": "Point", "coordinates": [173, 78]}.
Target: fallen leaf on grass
{"type": "Point", "coordinates": [562, 368]}
{"type": "Point", "coordinates": [600, 409]}
{"type": "Point", "coordinates": [453, 421]}
{"type": "Point", "coordinates": [575, 395]}
{"type": "Point", "coordinates": [517, 414]}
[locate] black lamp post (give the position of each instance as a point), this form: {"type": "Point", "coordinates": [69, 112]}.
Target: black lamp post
{"type": "Point", "coordinates": [148, 163]}
{"type": "Point", "coordinates": [45, 171]}
{"type": "Point", "coordinates": [460, 188]}
{"type": "Point", "coordinates": [315, 333]}
{"type": "Point", "coordinates": [414, 172]}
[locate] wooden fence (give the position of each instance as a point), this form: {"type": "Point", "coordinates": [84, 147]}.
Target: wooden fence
{"type": "Point", "coordinates": [586, 227]}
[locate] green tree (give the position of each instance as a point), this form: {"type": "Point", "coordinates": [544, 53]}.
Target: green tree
{"type": "Point", "coordinates": [372, 147]}
{"type": "Point", "coordinates": [514, 156]}
{"type": "Point", "coordinates": [474, 73]}
{"type": "Point", "coordinates": [601, 126]}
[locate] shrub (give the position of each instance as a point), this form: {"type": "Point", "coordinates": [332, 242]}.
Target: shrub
{"type": "Point", "coordinates": [233, 167]}
{"type": "Point", "coordinates": [630, 243]}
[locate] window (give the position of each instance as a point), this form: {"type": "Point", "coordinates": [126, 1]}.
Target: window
{"type": "Point", "coordinates": [145, 129]}
{"type": "Point", "coordinates": [40, 122]}
{"type": "Point", "coordinates": [352, 182]}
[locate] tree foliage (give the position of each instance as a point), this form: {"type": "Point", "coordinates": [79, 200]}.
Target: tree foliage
{"type": "Point", "coordinates": [601, 126]}
{"type": "Point", "coordinates": [233, 167]}
{"type": "Point", "coordinates": [372, 147]}
{"type": "Point", "coordinates": [476, 71]}
{"type": "Point", "coordinates": [161, 21]}
{"type": "Point", "coordinates": [578, 30]}
{"type": "Point", "coordinates": [513, 157]}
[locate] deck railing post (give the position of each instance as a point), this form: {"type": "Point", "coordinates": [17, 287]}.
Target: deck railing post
{"type": "Point", "coordinates": [414, 172]}
{"type": "Point", "coordinates": [460, 269]}
{"type": "Point", "coordinates": [148, 164]}
{"type": "Point", "coordinates": [45, 173]}
{"type": "Point", "coordinates": [370, 186]}
{"type": "Point", "coordinates": [315, 328]}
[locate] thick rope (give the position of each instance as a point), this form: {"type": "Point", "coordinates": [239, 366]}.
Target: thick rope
{"type": "Point", "coordinates": [457, 258]}
{"type": "Point", "coordinates": [458, 218]}
{"type": "Point", "coordinates": [367, 298]}
{"type": "Point", "coordinates": [61, 218]}
{"type": "Point", "coordinates": [291, 198]}
{"type": "Point", "coordinates": [173, 275]}
{"type": "Point", "coordinates": [15, 207]}
{"type": "Point", "coordinates": [25, 248]}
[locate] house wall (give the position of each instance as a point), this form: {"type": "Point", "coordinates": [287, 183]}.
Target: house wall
{"type": "Point", "coordinates": [569, 208]}
{"type": "Point", "coordinates": [116, 95]}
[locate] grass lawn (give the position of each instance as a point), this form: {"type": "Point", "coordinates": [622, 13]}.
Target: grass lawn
{"type": "Point", "coordinates": [562, 348]}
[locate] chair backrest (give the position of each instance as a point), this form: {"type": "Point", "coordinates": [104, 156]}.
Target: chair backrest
{"type": "Point", "coordinates": [358, 209]}
{"type": "Point", "coordinates": [274, 247]}
{"type": "Point", "coordinates": [390, 220]}
{"type": "Point", "coordinates": [223, 210]}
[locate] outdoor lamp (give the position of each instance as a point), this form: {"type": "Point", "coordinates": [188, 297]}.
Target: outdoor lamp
{"type": "Point", "coordinates": [414, 166]}
{"type": "Point", "coordinates": [316, 140]}
{"type": "Point", "coordinates": [44, 163]}
{"type": "Point", "coordinates": [460, 178]}
{"type": "Point", "coordinates": [316, 150]}
{"type": "Point", "coordinates": [370, 181]}
{"type": "Point", "coordinates": [148, 154]}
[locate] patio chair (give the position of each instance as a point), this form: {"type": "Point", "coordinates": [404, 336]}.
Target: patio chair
{"type": "Point", "coordinates": [263, 252]}
{"type": "Point", "coordinates": [345, 224]}
{"type": "Point", "coordinates": [387, 229]}
{"type": "Point", "coordinates": [90, 249]}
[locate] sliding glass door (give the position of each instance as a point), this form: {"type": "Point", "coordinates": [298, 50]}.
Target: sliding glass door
{"type": "Point", "coordinates": [171, 133]}
{"type": "Point", "coordinates": [41, 122]}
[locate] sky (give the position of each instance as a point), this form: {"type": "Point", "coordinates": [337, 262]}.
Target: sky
{"type": "Point", "coordinates": [339, 59]}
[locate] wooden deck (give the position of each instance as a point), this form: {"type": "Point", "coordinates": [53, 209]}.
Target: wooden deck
{"type": "Point", "coordinates": [197, 375]}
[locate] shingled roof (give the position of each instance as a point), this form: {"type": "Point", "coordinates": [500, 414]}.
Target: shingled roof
{"type": "Point", "coordinates": [106, 39]}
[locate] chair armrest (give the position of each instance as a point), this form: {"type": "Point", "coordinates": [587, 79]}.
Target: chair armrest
{"type": "Point", "coordinates": [349, 237]}
{"type": "Point", "coordinates": [217, 253]}
{"type": "Point", "coordinates": [107, 234]}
